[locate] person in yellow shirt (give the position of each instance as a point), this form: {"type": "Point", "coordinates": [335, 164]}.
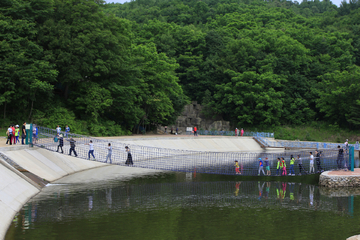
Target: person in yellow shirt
{"type": "Point", "coordinates": [17, 131]}
{"type": "Point", "coordinates": [237, 167]}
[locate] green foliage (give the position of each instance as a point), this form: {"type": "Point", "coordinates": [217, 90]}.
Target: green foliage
{"type": "Point", "coordinates": [137, 64]}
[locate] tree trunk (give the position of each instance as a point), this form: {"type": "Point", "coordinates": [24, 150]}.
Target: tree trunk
{"type": "Point", "coordinates": [66, 94]}
{"type": "Point", "coordinates": [32, 104]}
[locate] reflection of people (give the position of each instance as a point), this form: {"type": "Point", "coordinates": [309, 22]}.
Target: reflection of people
{"type": "Point", "coordinates": [311, 195]}
{"type": "Point", "coordinates": [237, 188]}
{"type": "Point", "coordinates": [129, 160]}
{"type": "Point", "coordinates": [261, 167]}
{"type": "Point", "coordinates": [237, 167]}
{"type": "Point", "coordinates": [267, 189]}
{"type": "Point", "coordinates": [340, 157]}
{"type": "Point", "coordinates": [291, 189]}
{"type": "Point", "coordinates": [109, 197]}
{"type": "Point", "coordinates": [260, 190]}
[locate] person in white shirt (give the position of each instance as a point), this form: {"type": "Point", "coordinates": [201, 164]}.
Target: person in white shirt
{"type": "Point", "coordinates": [91, 150]}
{"type": "Point", "coordinates": [9, 132]}
{"type": "Point", "coordinates": [58, 130]}
{"type": "Point", "coordinates": [311, 163]}
{"type": "Point", "coordinates": [109, 153]}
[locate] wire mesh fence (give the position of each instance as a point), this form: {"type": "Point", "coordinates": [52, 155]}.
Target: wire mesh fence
{"type": "Point", "coordinates": [186, 160]}
{"type": "Point", "coordinates": [300, 144]}
{"type": "Point", "coordinates": [232, 133]}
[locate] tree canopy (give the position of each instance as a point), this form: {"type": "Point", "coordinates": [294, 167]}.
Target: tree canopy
{"type": "Point", "coordinates": [122, 66]}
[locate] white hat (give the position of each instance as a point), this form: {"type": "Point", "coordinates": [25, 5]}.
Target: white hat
{"type": "Point", "coordinates": [17, 126]}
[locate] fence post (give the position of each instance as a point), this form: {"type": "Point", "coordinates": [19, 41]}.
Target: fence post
{"type": "Point", "coordinates": [351, 157]}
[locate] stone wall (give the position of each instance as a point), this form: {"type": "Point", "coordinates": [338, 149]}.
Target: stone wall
{"type": "Point", "coordinates": [338, 181]}
{"type": "Point", "coordinates": [192, 116]}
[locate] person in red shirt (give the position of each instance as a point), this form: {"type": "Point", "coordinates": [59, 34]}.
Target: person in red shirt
{"type": "Point", "coordinates": [195, 131]}
{"type": "Point", "coordinates": [242, 132]}
{"type": "Point", "coordinates": [13, 139]}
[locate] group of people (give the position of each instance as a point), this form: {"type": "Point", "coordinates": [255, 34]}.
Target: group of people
{"type": "Point", "coordinates": [14, 132]}
{"type": "Point", "coordinates": [237, 132]}
{"type": "Point", "coordinates": [281, 168]}
{"type": "Point", "coordinates": [72, 142]}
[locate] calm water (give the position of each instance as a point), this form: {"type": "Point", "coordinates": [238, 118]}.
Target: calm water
{"type": "Point", "coordinates": [187, 206]}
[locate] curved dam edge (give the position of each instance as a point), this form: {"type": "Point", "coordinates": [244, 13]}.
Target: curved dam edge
{"type": "Point", "coordinates": [16, 189]}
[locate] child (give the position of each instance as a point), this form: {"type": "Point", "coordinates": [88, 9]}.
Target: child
{"type": "Point", "coordinates": [17, 130]}
{"type": "Point", "coordinates": [283, 166]}
{"type": "Point", "coordinates": [261, 167]}
{"type": "Point", "coordinates": [237, 167]}
{"type": "Point", "coordinates": [292, 162]}
{"type": "Point", "coordinates": [67, 131]}
{"type": "Point", "coordinates": [267, 167]}
{"type": "Point", "coordinates": [278, 167]}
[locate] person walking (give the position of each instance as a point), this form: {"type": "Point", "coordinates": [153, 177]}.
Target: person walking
{"type": "Point", "coordinates": [9, 133]}
{"type": "Point", "coordinates": [318, 161]}
{"type": "Point", "coordinates": [278, 167]}
{"type": "Point", "coordinates": [23, 133]}
{"type": "Point", "coordinates": [236, 132]}
{"type": "Point", "coordinates": [340, 157]}
{"type": "Point", "coordinates": [91, 149]}
{"type": "Point", "coordinates": [34, 132]}
{"type": "Point", "coordinates": [195, 131]}
{"type": "Point", "coordinates": [129, 160]}
{"type": "Point", "coordinates": [300, 165]}
{"type": "Point", "coordinates": [61, 143]}
{"type": "Point", "coordinates": [67, 131]}
{"type": "Point", "coordinates": [283, 167]}
{"type": "Point", "coordinates": [292, 163]}
{"type": "Point", "coordinates": [237, 167]}
{"type": "Point", "coordinates": [17, 132]}
{"type": "Point", "coordinates": [72, 146]}
{"type": "Point", "coordinates": [109, 148]}
{"type": "Point", "coordinates": [13, 134]}
{"type": "Point", "coordinates": [242, 132]}
{"type": "Point", "coordinates": [261, 167]}
{"type": "Point", "coordinates": [267, 167]}
{"type": "Point", "coordinates": [177, 130]}
{"type": "Point", "coordinates": [311, 163]}
{"type": "Point", "coordinates": [58, 129]}
{"type": "Point", "coordinates": [165, 129]}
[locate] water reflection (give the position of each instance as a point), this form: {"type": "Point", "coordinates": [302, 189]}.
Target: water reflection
{"type": "Point", "coordinates": [62, 204]}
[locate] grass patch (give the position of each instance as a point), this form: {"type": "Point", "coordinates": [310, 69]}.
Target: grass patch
{"type": "Point", "coordinates": [317, 132]}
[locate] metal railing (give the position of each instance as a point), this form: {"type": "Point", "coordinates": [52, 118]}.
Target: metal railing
{"type": "Point", "coordinates": [180, 160]}
{"type": "Point", "coordinates": [300, 144]}
{"type": "Point", "coordinates": [232, 133]}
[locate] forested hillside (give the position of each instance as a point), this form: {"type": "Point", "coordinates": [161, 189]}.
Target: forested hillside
{"type": "Point", "coordinates": [108, 68]}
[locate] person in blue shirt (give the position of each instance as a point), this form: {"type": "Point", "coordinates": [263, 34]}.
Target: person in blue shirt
{"type": "Point", "coordinates": [261, 167]}
{"type": "Point", "coordinates": [67, 131]}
